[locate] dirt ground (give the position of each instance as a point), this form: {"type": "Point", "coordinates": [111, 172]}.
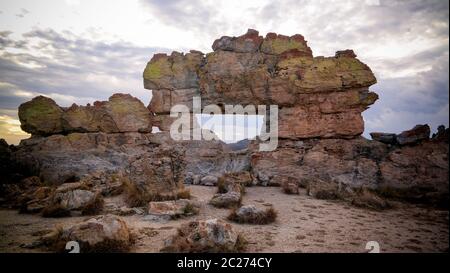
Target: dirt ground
{"type": "Point", "coordinates": [304, 224]}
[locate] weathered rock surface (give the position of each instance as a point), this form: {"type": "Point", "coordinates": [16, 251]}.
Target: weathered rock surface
{"type": "Point", "coordinates": [109, 145]}
{"type": "Point", "coordinates": [213, 235]}
{"type": "Point", "coordinates": [338, 168]}
{"type": "Point", "coordinates": [41, 116]}
{"type": "Point", "coordinates": [121, 113]}
{"type": "Point", "coordinates": [106, 233]}
{"type": "Point", "coordinates": [319, 97]}
{"type": "Point", "coordinates": [416, 134]}
{"type": "Point", "coordinates": [77, 197]}
{"type": "Point", "coordinates": [172, 209]}
{"type": "Point", "coordinates": [253, 215]}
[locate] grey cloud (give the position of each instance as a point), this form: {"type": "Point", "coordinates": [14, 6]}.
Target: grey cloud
{"type": "Point", "coordinates": [69, 65]}
{"type": "Point", "coordinates": [181, 13]}
{"type": "Point", "coordinates": [22, 13]}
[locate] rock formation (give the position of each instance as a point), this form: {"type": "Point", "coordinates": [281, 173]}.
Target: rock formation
{"type": "Point", "coordinates": [121, 113]}
{"type": "Point", "coordinates": [317, 96]}
{"type": "Point", "coordinates": [320, 102]}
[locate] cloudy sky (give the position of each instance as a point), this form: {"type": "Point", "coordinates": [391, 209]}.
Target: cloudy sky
{"type": "Point", "coordinates": [85, 50]}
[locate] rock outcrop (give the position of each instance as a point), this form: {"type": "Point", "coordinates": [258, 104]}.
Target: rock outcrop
{"type": "Point", "coordinates": [121, 113]}
{"type": "Point", "coordinates": [110, 147]}
{"type": "Point", "coordinates": [317, 96]}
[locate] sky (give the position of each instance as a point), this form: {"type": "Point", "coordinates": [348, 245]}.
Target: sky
{"type": "Point", "coordinates": [79, 51]}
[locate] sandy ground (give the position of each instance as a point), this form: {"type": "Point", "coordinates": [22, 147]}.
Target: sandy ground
{"type": "Point", "coordinates": [304, 224]}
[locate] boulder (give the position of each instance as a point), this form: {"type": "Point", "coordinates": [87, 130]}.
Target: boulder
{"type": "Point", "coordinates": [209, 180]}
{"type": "Point", "coordinates": [177, 71]}
{"type": "Point", "coordinates": [41, 116]}
{"type": "Point", "coordinates": [106, 233]}
{"type": "Point", "coordinates": [226, 200]}
{"type": "Point", "coordinates": [84, 201]}
{"type": "Point", "coordinates": [212, 236]}
{"type": "Point", "coordinates": [253, 215]}
{"type": "Point", "coordinates": [121, 113]}
{"type": "Point", "coordinates": [416, 134]}
{"type": "Point", "coordinates": [168, 210]}
{"type": "Point", "coordinates": [153, 178]}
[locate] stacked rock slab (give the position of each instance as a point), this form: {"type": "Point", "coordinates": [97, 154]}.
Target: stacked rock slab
{"type": "Point", "coordinates": [121, 113]}
{"type": "Point", "coordinates": [108, 143]}
{"type": "Point", "coordinates": [317, 96]}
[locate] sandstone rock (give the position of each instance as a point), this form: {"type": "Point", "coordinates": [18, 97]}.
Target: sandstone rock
{"type": "Point", "coordinates": [417, 173]}
{"type": "Point", "coordinates": [243, 178]}
{"type": "Point", "coordinates": [345, 53]}
{"type": "Point", "coordinates": [249, 42]}
{"type": "Point", "coordinates": [172, 209]}
{"type": "Point", "coordinates": [209, 180]}
{"type": "Point", "coordinates": [213, 235]}
{"type": "Point", "coordinates": [154, 178]}
{"type": "Point", "coordinates": [323, 190]}
{"type": "Point", "coordinates": [106, 233]}
{"type": "Point", "coordinates": [277, 44]}
{"type": "Point", "coordinates": [121, 113]}
{"type": "Point", "coordinates": [226, 200]}
{"type": "Point", "coordinates": [253, 215]}
{"type": "Point", "coordinates": [299, 123]}
{"type": "Point", "coordinates": [416, 134]}
{"type": "Point", "coordinates": [328, 94]}
{"type": "Point", "coordinates": [213, 158]}
{"type": "Point", "coordinates": [384, 137]}
{"type": "Point", "coordinates": [41, 116]}
{"type": "Point", "coordinates": [75, 199]}
{"type": "Point", "coordinates": [177, 71]}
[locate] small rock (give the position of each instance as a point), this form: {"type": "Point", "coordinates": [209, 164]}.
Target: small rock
{"type": "Point", "coordinates": [209, 180]}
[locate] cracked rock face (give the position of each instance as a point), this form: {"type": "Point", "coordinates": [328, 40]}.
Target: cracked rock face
{"type": "Point", "coordinates": [317, 96]}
